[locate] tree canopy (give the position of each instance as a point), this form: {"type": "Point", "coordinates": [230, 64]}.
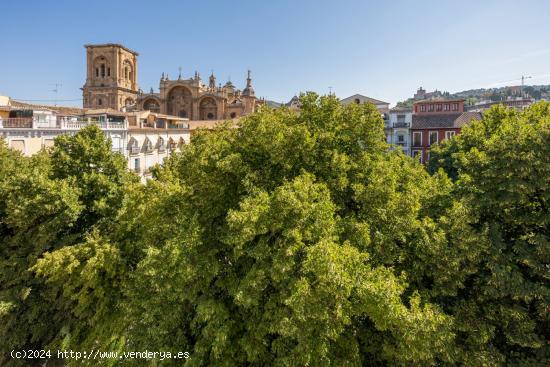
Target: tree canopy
{"type": "Point", "coordinates": [296, 239]}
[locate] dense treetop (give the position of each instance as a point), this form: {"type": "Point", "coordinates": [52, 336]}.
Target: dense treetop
{"type": "Point", "coordinates": [293, 240]}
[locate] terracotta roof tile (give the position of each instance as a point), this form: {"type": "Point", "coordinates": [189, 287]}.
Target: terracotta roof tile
{"type": "Point", "coordinates": [434, 121]}
{"type": "Point", "coordinates": [452, 120]}
{"type": "Point", "coordinates": [466, 117]}
{"type": "Point", "coordinates": [59, 109]}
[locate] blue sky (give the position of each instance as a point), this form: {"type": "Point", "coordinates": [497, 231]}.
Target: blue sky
{"type": "Point", "coordinates": [383, 49]}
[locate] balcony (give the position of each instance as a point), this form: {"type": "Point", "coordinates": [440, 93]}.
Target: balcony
{"type": "Point", "coordinates": [402, 144]}
{"type": "Point", "coordinates": [162, 148]}
{"type": "Point", "coordinates": [61, 124]}
{"type": "Point", "coordinates": [178, 126]}
{"type": "Point", "coordinates": [401, 124]}
{"type": "Point", "coordinates": [137, 170]}
{"type": "Point", "coordinates": [17, 123]}
{"type": "Point", "coordinates": [103, 125]}
{"type": "Point", "coordinates": [134, 149]}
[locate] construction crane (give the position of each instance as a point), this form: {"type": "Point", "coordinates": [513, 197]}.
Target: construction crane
{"type": "Point", "coordinates": [523, 80]}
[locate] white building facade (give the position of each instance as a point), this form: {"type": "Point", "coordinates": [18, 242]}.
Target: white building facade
{"type": "Point", "coordinates": [31, 134]}
{"type": "Point", "coordinates": [398, 129]}
{"type": "Point", "coordinates": [144, 139]}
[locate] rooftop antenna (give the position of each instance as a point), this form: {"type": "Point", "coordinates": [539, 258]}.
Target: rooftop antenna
{"type": "Point", "coordinates": [329, 91]}
{"type": "Point", "coordinates": [56, 90]}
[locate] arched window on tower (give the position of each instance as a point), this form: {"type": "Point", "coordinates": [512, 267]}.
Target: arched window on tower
{"type": "Point", "coordinates": [97, 72]}
{"type": "Point", "coordinates": [108, 71]}
{"type": "Point", "coordinates": [99, 102]}
{"type": "Point", "coordinates": [103, 70]}
{"type": "Point", "coordinates": [126, 72]}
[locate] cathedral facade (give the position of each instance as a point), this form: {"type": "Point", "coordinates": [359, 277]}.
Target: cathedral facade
{"type": "Point", "coordinates": [111, 82]}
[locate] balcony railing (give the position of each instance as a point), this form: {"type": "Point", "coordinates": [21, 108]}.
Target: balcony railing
{"type": "Point", "coordinates": [137, 170]}
{"type": "Point", "coordinates": [402, 144]}
{"type": "Point", "coordinates": [103, 125]}
{"type": "Point", "coordinates": [62, 124]}
{"type": "Point", "coordinates": [16, 123]}
{"type": "Point", "coordinates": [162, 148]}
{"type": "Point", "coordinates": [135, 149]}
{"type": "Point", "coordinates": [401, 124]}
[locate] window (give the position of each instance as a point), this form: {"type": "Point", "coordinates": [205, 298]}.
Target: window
{"type": "Point", "coordinates": [431, 108]}
{"type": "Point", "coordinates": [99, 102]}
{"type": "Point", "coordinates": [233, 115]}
{"type": "Point", "coordinates": [446, 107]}
{"type": "Point", "coordinates": [108, 71]}
{"type": "Point", "coordinates": [357, 100]}
{"type": "Point", "coordinates": [103, 70]}
{"type": "Point", "coordinates": [148, 146]}
{"type": "Point", "coordinates": [400, 118]}
{"type": "Point", "coordinates": [417, 138]}
{"type": "Point", "coordinates": [449, 134]}
{"type": "Point", "coordinates": [400, 138]}
{"type": "Point", "coordinates": [422, 108]}
{"type": "Point", "coordinates": [433, 137]}
{"type": "Point", "coordinates": [210, 116]}
{"type": "Point", "coordinates": [438, 107]}
{"type": "Point", "coordinates": [455, 106]}
{"type": "Point", "coordinates": [136, 165]}
{"type": "Point", "coordinates": [97, 72]}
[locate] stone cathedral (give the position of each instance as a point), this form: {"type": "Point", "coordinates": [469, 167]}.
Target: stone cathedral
{"type": "Point", "coordinates": [111, 82]}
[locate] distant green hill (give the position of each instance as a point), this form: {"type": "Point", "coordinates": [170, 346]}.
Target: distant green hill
{"type": "Point", "coordinates": [473, 96]}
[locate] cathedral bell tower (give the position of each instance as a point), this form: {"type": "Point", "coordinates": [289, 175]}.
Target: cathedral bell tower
{"type": "Point", "coordinates": [111, 77]}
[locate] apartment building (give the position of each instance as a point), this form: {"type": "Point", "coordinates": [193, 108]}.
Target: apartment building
{"type": "Point", "coordinates": [398, 128]}
{"type": "Point", "coordinates": [436, 120]}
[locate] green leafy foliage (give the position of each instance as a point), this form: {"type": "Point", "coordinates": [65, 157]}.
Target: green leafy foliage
{"type": "Point", "coordinates": [502, 168]}
{"type": "Point", "coordinates": [54, 207]}
{"type": "Point", "coordinates": [296, 239]}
